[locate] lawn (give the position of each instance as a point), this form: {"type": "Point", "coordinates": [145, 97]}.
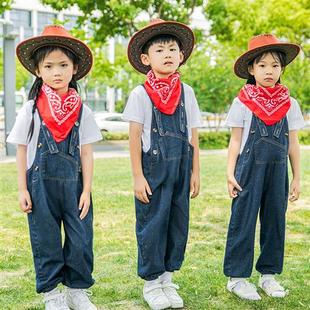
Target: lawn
{"type": "Point", "coordinates": [117, 286]}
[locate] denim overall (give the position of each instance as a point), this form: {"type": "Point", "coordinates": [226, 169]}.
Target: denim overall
{"type": "Point", "coordinates": [262, 173]}
{"type": "Point", "coordinates": [55, 185]}
{"type": "Point", "coordinates": [162, 224]}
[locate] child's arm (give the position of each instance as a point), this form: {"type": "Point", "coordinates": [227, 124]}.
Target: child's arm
{"type": "Point", "coordinates": [294, 155]}
{"type": "Point", "coordinates": [195, 177]}
{"type": "Point", "coordinates": [87, 162]}
{"type": "Point", "coordinates": [24, 196]}
{"type": "Point", "coordinates": [141, 187]}
{"type": "Point", "coordinates": [233, 152]}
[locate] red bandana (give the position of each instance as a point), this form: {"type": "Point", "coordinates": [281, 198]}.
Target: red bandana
{"type": "Point", "coordinates": [59, 112]}
{"type": "Point", "coordinates": [270, 104]}
{"type": "Point", "coordinates": [165, 93]}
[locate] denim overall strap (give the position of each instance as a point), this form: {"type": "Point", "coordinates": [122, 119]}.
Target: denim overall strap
{"type": "Point", "coordinates": [52, 146]}
{"type": "Point", "coordinates": [183, 120]}
{"type": "Point", "coordinates": [262, 127]}
{"type": "Point", "coordinates": [74, 138]}
{"type": "Point", "coordinates": [278, 128]}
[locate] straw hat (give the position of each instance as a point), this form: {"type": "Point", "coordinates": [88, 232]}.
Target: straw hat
{"type": "Point", "coordinates": [260, 44]}
{"type": "Point", "coordinates": [155, 28]}
{"type": "Point", "coordinates": [55, 35]}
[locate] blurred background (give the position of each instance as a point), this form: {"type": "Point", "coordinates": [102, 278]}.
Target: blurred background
{"type": "Point", "coordinates": [222, 30]}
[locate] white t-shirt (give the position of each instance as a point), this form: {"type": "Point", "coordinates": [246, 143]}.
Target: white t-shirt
{"type": "Point", "coordinates": [88, 130]}
{"type": "Point", "coordinates": [139, 110]}
{"type": "Point", "coordinates": [240, 115]}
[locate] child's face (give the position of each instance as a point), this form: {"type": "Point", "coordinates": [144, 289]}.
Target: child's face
{"type": "Point", "coordinates": [56, 70]}
{"type": "Point", "coordinates": [267, 71]}
{"type": "Point", "coordinates": [164, 58]}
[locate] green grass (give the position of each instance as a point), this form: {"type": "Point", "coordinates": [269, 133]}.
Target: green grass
{"type": "Point", "coordinates": [117, 286]}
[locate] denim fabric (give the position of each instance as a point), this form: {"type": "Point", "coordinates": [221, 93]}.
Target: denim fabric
{"type": "Point", "coordinates": [162, 224]}
{"type": "Point", "coordinates": [55, 185]}
{"type": "Point", "coordinates": [262, 173]}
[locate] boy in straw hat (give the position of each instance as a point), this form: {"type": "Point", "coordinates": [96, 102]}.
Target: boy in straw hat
{"type": "Point", "coordinates": [264, 120]}
{"type": "Point", "coordinates": [164, 116]}
{"type": "Point", "coordinates": [53, 132]}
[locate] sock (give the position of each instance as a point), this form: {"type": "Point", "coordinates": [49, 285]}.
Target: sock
{"type": "Point", "coordinates": [166, 277]}
{"type": "Point", "coordinates": [151, 283]}
{"type": "Point", "coordinates": [267, 276]}
{"type": "Point", "coordinates": [237, 279]}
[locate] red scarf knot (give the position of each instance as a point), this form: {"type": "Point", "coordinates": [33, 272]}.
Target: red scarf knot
{"type": "Point", "coordinates": [270, 104]}
{"type": "Point", "coordinates": [59, 113]}
{"type": "Point", "coordinates": [165, 93]}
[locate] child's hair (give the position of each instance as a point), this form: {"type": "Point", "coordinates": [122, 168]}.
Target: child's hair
{"type": "Point", "coordinates": [38, 56]}
{"type": "Point", "coordinates": [275, 54]}
{"type": "Point", "coordinates": [161, 38]}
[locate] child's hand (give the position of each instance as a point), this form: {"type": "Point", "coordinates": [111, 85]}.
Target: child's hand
{"type": "Point", "coordinates": [194, 185]}
{"type": "Point", "coordinates": [233, 187]}
{"type": "Point", "coordinates": [25, 201]}
{"type": "Point", "coordinates": [142, 189]}
{"type": "Point", "coordinates": [84, 204]}
{"type": "Point", "coordinates": [294, 190]}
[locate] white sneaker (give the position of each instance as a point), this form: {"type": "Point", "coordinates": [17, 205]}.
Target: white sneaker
{"type": "Point", "coordinates": [170, 290]}
{"type": "Point", "coordinates": [271, 286]}
{"type": "Point", "coordinates": [55, 300]}
{"type": "Point", "coordinates": [155, 297]}
{"type": "Point", "coordinates": [243, 289]}
{"type": "Point", "coordinates": [77, 299]}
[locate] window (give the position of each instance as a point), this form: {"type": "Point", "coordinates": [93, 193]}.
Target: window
{"type": "Point", "coordinates": [45, 19]}
{"type": "Point", "coordinates": [21, 20]}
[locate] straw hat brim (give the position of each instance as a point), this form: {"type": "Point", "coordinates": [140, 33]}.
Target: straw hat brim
{"type": "Point", "coordinates": [138, 40]}
{"type": "Point", "coordinates": [241, 65]}
{"type": "Point", "coordinates": [26, 49]}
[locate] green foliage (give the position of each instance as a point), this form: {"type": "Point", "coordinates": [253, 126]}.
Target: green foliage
{"type": "Point", "coordinates": [209, 70]}
{"type": "Point", "coordinates": [214, 140]}
{"type": "Point", "coordinates": [304, 137]}
{"type": "Point", "coordinates": [117, 287]}
{"type": "Point", "coordinates": [22, 75]}
{"type": "Point", "coordinates": [234, 22]}
{"type": "Point", "coordinates": [5, 5]}
{"type": "Point", "coordinates": [116, 17]}
{"type": "Point", "coordinates": [115, 136]}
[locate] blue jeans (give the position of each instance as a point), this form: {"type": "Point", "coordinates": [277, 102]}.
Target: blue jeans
{"type": "Point", "coordinates": [55, 184]}
{"type": "Point", "coordinates": [162, 224]}
{"type": "Point", "coordinates": [262, 173]}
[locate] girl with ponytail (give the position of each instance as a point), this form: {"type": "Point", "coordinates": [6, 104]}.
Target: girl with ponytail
{"type": "Point", "coordinates": [53, 133]}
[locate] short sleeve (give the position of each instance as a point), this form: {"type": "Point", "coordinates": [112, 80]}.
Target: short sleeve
{"type": "Point", "coordinates": [89, 130]}
{"type": "Point", "coordinates": [294, 116]}
{"type": "Point", "coordinates": [135, 107]}
{"type": "Point", "coordinates": [236, 114]}
{"type": "Point", "coordinates": [195, 119]}
{"type": "Point", "coordinates": [19, 132]}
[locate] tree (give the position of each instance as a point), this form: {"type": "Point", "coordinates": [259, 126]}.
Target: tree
{"type": "Point", "coordinates": [5, 5]}
{"type": "Point", "coordinates": [234, 22]}
{"type": "Point", "coordinates": [117, 17]}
